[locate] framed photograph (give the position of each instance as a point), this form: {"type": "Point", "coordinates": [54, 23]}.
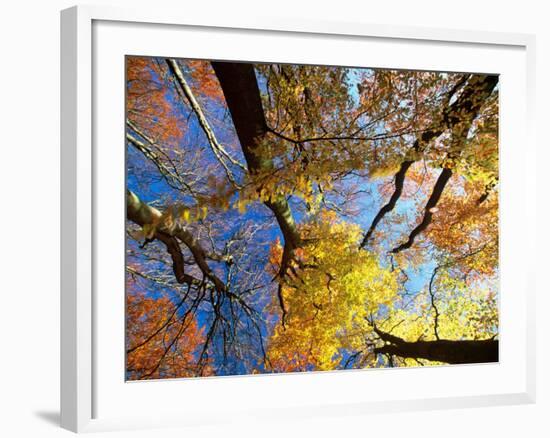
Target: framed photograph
{"type": "Point", "coordinates": [277, 217]}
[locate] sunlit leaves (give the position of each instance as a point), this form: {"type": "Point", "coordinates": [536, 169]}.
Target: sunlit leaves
{"type": "Point", "coordinates": [334, 143]}
{"type": "Point", "coordinates": [334, 288]}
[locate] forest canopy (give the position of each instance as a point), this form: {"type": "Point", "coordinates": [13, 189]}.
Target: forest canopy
{"type": "Point", "coordinates": [285, 218]}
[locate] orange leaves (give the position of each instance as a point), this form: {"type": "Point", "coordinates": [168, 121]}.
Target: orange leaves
{"type": "Point", "coordinates": [462, 226]}
{"type": "Point", "coordinates": [275, 257]}
{"type": "Point", "coordinates": [205, 79]}
{"type": "Point", "coordinates": [328, 140]}
{"type": "Point", "coordinates": [148, 102]}
{"type": "Point", "coordinates": [161, 340]}
{"type": "Point", "coordinates": [139, 74]}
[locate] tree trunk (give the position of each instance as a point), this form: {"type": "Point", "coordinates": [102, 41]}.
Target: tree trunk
{"type": "Point", "coordinates": [443, 350]}
{"type": "Point", "coordinates": [242, 95]}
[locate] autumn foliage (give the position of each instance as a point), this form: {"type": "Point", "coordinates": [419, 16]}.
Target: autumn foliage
{"type": "Point", "coordinates": [285, 218]}
{"type": "Point", "coordinates": [160, 343]}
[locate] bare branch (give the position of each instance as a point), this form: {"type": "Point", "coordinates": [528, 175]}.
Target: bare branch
{"type": "Point", "coordinates": [219, 151]}
{"type": "Point", "coordinates": [143, 214]}
{"type": "Point", "coordinates": [173, 180]}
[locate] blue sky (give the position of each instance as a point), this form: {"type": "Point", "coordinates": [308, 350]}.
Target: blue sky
{"type": "Point", "coordinates": [155, 190]}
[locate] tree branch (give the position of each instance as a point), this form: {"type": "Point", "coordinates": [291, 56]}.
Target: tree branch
{"type": "Point", "coordinates": [219, 151]}
{"type": "Point", "coordinates": [442, 350]}
{"type": "Point", "coordinates": [459, 114]}
{"type": "Point", "coordinates": [175, 181]}
{"type": "Point", "coordinates": [242, 95]}
{"type": "Point", "coordinates": [143, 214]}
{"type": "Point", "coordinates": [399, 180]}
{"type": "Point", "coordinates": [437, 191]}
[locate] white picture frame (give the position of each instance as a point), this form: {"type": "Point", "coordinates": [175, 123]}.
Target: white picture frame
{"type": "Point", "coordinates": [80, 196]}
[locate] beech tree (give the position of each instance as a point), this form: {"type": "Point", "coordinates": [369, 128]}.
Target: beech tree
{"type": "Point", "coordinates": [293, 218]}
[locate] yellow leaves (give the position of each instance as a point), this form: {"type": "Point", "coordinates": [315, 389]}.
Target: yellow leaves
{"type": "Point", "coordinates": [173, 216]}
{"type": "Point", "coordinates": [190, 214]}
{"type": "Point", "coordinates": [335, 288]}
{"type": "Point", "coordinates": [186, 215]}
{"type": "Point", "coordinates": [302, 184]}
{"type": "Point", "coordinates": [467, 313]}
{"type": "Point", "coordinates": [384, 171]}
{"type": "Point", "coordinates": [266, 187]}
{"type": "Point", "coordinates": [265, 195]}
{"type": "Point", "coordinates": [410, 325]}
{"type": "Point", "coordinates": [463, 312]}
{"type": "Point", "coordinates": [241, 205]}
